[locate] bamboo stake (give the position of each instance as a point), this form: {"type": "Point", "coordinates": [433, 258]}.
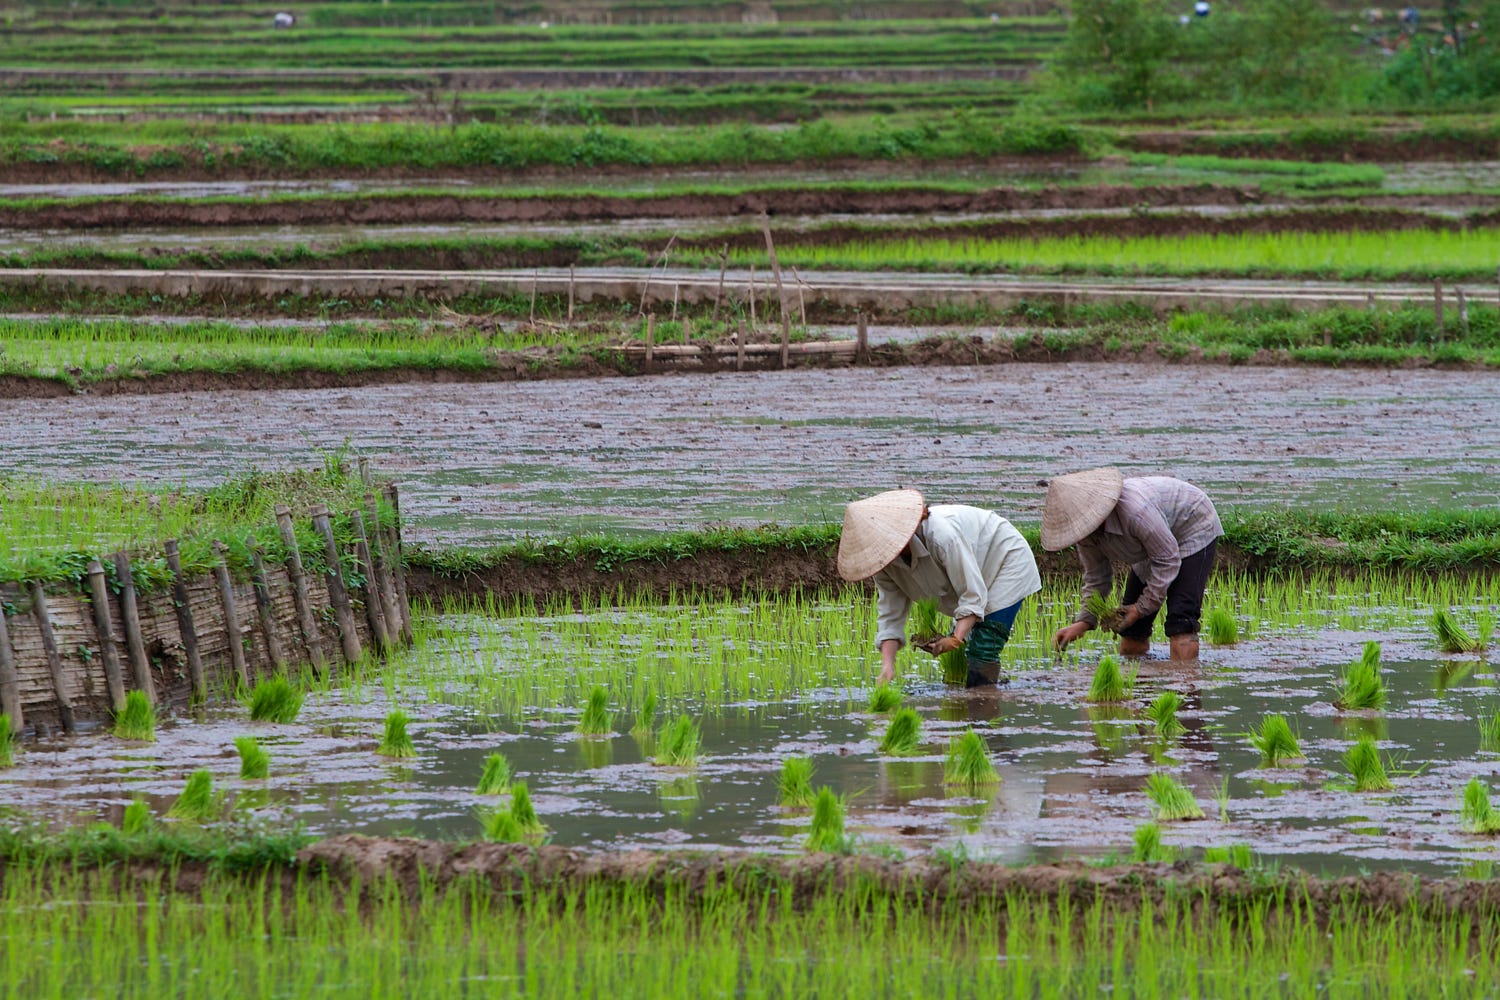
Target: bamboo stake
{"type": "Point", "coordinates": [380, 635]}
{"type": "Point", "coordinates": [385, 583]}
{"type": "Point", "coordinates": [130, 617]}
{"type": "Point", "coordinates": [232, 634]}
{"type": "Point", "coordinates": [676, 291]}
{"type": "Point", "coordinates": [786, 321]}
{"type": "Point", "coordinates": [752, 296]}
{"type": "Point", "coordinates": [10, 682]}
{"type": "Point", "coordinates": [333, 576]}
{"type": "Point", "coordinates": [265, 611]}
{"type": "Point", "coordinates": [305, 617]}
{"type": "Point", "coordinates": [533, 296]}
{"type": "Point", "coordinates": [650, 338]}
{"type": "Point", "coordinates": [862, 340]}
{"type": "Point", "coordinates": [398, 564]}
{"type": "Point", "coordinates": [719, 294]}
{"type": "Point", "coordinates": [54, 662]}
{"type": "Point", "coordinates": [1463, 311]}
{"type": "Point", "coordinates": [185, 627]}
{"type": "Point", "coordinates": [570, 294]}
{"type": "Point", "coordinates": [687, 331]}
{"type": "Point", "coordinates": [99, 598]}
{"type": "Point", "coordinates": [1437, 305]}
{"type": "Point", "coordinates": [739, 348]}
{"type": "Point", "coordinates": [801, 302]}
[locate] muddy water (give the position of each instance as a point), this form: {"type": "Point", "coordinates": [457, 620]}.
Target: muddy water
{"type": "Point", "coordinates": [1072, 775]}
{"type": "Point", "coordinates": [486, 463]}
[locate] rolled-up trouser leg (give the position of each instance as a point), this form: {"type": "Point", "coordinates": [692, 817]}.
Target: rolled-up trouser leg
{"type": "Point", "coordinates": [986, 640]}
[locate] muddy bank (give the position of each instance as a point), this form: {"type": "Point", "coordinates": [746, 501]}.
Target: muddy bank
{"type": "Point", "coordinates": [1392, 145]}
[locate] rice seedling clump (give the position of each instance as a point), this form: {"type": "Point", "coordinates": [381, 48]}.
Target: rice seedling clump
{"type": "Point", "coordinates": [275, 699]}
{"type": "Point", "coordinates": [496, 775]}
{"type": "Point", "coordinates": [1363, 687]}
{"type": "Point", "coordinates": [1489, 731]}
{"type": "Point", "coordinates": [1478, 815]}
{"type": "Point", "coordinates": [1170, 800]}
{"type": "Point", "coordinates": [1163, 715]}
{"type": "Point", "coordinates": [7, 741]}
{"type": "Point", "coordinates": [927, 624]}
{"type": "Point", "coordinates": [1275, 741]}
{"type": "Point", "coordinates": [1148, 846]}
{"type": "Point", "coordinates": [645, 719]}
{"type": "Point", "coordinates": [1106, 611]}
{"type": "Point", "coordinates": [1238, 855]}
{"type": "Point", "coordinates": [884, 698]}
{"type": "Point", "coordinates": [396, 742]}
{"type": "Point", "coordinates": [197, 799]}
{"type": "Point", "coordinates": [903, 735]}
{"type": "Point", "coordinates": [596, 719]}
{"type": "Point", "coordinates": [137, 818]}
{"type": "Point", "coordinates": [1110, 684]}
{"type": "Point", "coordinates": [795, 784]}
{"type": "Point", "coordinates": [968, 763]}
{"type": "Point", "coordinates": [137, 719]}
{"type": "Point", "coordinates": [517, 823]}
{"type": "Point", "coordinates": [827, 834]}
{"type": "Point", "coordinates": [1366, 767]}
{"type": "Point", "coordinates": [1453, 639]}
{"type": "Point", "coordinates": [1222, 628]}
{"type": "Point", "coordinates": [254, 761]}
{"type": "Point", "coordinates": [678, 745]}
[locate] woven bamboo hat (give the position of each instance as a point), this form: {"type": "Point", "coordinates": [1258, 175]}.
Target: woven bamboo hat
{"type": "Point", "coordinates": [876, 529]}
{"type": "Point", "coordinates": [1077, 504]}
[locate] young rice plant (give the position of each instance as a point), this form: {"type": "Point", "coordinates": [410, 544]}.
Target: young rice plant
{"type": "Point", "coordinates": [679, 742]}
{"type": "Point", "coordinates": [1362, 686]}
{"type": "Point", "coordinates": [827, 834]}
{"type": "Point", "coordinates": [395, 741]}
{"type": "Point", "coordinates": [1478, 815]}
{"type": "Point", "coordinates": [197, 801]}
{"type": "Point", "coordinates": [254, 761]}
{"type": "Point", "coordinates": [1453, 639]}
{"type": "Point", "coordinates": [1148, 846]}
{"type": "Point", "coordinates": [496, 775]}
{"type": "Point", "coordinates": [1222, 627]}
{"type": "Point", "coordinates": [903, 735]}
{"type": "Point", "coordinates": [275, 699]}
{"type": "Point", "coordinates": [1365, 766]}
{"type": "Point", "coordinates": [596, 719]}
{"type": "Point", "coordinates": [968, 762]}
{"type": "Point", "coordinates": [1275, 741]}
{"type": "Point", "coordinates": [884, 698]}
{"type": "Point", "coordinates": [1170, 800]}
{"type": "Point", "coordinates": [1163, 715]}
{"type": "Point", "coordinates": [1111, 684]}
{"type": "Point", "coordinates": [795, 783]}
{"type": "Point", "coordinates": [137, 719]}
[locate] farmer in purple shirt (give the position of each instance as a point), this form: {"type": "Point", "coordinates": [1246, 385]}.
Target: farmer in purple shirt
{"type": "Point", "coordinates": [1164, 529]}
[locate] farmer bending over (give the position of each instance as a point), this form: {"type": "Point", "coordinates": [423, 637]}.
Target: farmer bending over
{"type": "Point", "coordinates": [971, 561]}
{"type": "Point", "coordinates": [1164, 529]}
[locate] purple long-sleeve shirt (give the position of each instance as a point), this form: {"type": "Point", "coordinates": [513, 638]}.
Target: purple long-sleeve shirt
{"type": "Point", "coordinates": [1158, 522]}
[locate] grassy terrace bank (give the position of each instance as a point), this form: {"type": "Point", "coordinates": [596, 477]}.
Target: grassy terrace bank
{"type": "Point", "coordinates": [780, 559]}
{"type": "Point", "coordinates": [470, 341]}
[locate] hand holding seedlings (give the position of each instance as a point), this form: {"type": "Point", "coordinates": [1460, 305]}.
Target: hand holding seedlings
{"type": "Point", "coordinates": [942, 644]}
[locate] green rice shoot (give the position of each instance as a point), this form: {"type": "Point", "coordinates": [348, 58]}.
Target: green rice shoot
{"type": "Point", "coordinates": [1163, 715]}
{"type": "Point", "coordinates": [1148, 846]}
{"type": "Point", "coordinates": [827, 834]}
{"type": "Point", "coordinates": [968, 763]}
{"type": "Point", "coordinates": [1275, 741]}
{"type": "Point", "coordinates": [275, 699]}
{"type": "Point", "coordinates": [679, 742]}
{"type": "Point", "coordinates": [1478, 815]}
{"type": "Point", "coordinates": [645, 718]}
{"type": "Point", "coordinates": [904, 734]}
{"type": "Point", "coordinates": [794, 786]}
{"type": "Point", "coordinates": [7, 741]}
{"type": "Point", "coordinates": [254, 761]}
{"type": "Point", "coordinates": [1106, 611]}
{"type": "Point", "coordinates": [1111, 684]}
{"type": "Point", "coordinates": [495, 778]}
{"type": "Point", "coordinates": [927, 623]}
{"type": "Point", "coordinates": [1489, 731]}
{"type": "Point", "coordinates": [884, 698]}
{"type": "Point", "coordinates": [1365, 766]}
{"type": "Point", "coordinates": [1170, 799]}
{"type": "Point", "coordinates": [1236, 855]}
{"type": "Point", "coordinates": [1451, 638]}
{"type": "Point", "coordinates": [137, 719]}
{"type": "Point", "coordinates": [396, 742]}
{"type": "Point", "coordinates": [137, 818]}
{"type": "Point", "coordinates": [518, 823]}
{"type": "Point", "coordinates": [1362, 687]}
{"type": "Point", "coordinates": [1222, 627]}
{"type": "Point", "coordinates": [197, 801]}
{"type": "Point", "coordinates": [596, 718]}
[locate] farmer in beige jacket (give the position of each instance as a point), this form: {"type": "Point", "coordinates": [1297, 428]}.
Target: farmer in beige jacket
{"type": "Point", "coordinates": [971, 561]}
{"type": "Point", "coordinates": [1164, 529]}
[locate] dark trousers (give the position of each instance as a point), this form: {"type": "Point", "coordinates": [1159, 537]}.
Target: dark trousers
{"type": "Point", "coordinates": [1184, 596]}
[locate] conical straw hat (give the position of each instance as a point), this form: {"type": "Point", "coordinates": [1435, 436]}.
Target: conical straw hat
{"type": "Point", "coordinates": [1077, 504]}
{"type": "Point", "coordinates": [876, 529]}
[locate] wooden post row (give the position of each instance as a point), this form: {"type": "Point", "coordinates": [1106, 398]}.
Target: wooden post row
{"type": "Point", "coordinates": [104, 627]}
{"type": "Point", "coordinates": [232, 633]}
{"type": "Point", "coordinates": [10, 682]}
{"type": "Point", "coordinates": [60, 689]}
{"type": "Point", "coordinates": [130, 617]}
{"type": "Point", "coordinates": [185, 627]}
{"type": "Point", "coordinates": [334, 578]}
{"type": "Point", "coordinates": [307, 621]}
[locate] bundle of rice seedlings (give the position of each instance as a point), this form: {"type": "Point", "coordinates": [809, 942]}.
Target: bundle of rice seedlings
{"type": "Point", "coordinates": [496, 775]}
{"type": "Point", "coordinates": [968, 763]}
{"type": "Point", "coordinates": [7, 741]}
{"type": "Point", "coordinates": [678, 745]}
{"type": "Point", "coordinates": [928, 623]}
{"type": "Point", "coordinates": [1275, 741]}
{"type": "Point", "coordinates": [903, 735]}
{"type": "Point", "coordinates": [1451, 638]}
{"type": "Point", "coordinates": [137, 818]}
{"type": "Point", "coordinates": [645, 719]}
{"type": "Point", "coordinates": [1111, 684]}
{"type": "Point", "coordinates": [137, 719]}
{"type": "Point", "coordinates": [522, 811]}
{"type": "Point", "coordinates": [1222, 627]}
{"type": "Point", "coordinates": [395, 742]}
{"type": "Point", "coordinates": [884, 698]}
{"type": "Point", "coordinates": [827, 834]}
{"type": "Point", "coordinates": [595, 720]}
{"type": "Point", "coordinates": [1163, 714]}
{"type": "Point", "coordinates": [275, 699]}
{"type": "Point", "coordinates": [1489, 732]}
{"type": "Point", "coordinates": [795, 784]}
{"type": "Point", "coordinates": [197, 799]}
{"type": "Point", "coordinates": [1362, 685]}
{"type": "Point", "coordinates": [254, 761]}
{"type": "Point", "coordinates": [516, 824]}
{"type": "Point", "coordinates": [1366, 767]}
{"type": "Point", "coordinates": [1170, 799]}
{"type": "Point", "coordinates": [1105, 609]}
{"type": "Point", "coordinates": [1237, 855]}
{"type": "Point", "coordinates": [1478, 815]}
{"type": "Point", "coordinates": [1148, 846]}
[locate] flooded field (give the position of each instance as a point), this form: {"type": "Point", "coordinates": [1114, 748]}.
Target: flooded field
{"type": "Point", "coordinates": [767, 681]}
